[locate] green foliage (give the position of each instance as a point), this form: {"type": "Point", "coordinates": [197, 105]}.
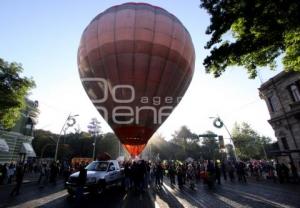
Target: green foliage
{"type": "Point", "coordinates": [109, 143]}
{"type": "Point", "coordinates": [80, 144]}
{"type": "Point", "coordinates": [184, 134]}
{"type": "Point", "coordinates": [230, 151]}
{"type": "Point", "coordinates": [210, 147]}
{"type": "Point", "coordinates": [44, 143]}
{"type": "Point", "coordinates": [291, 60]}
{"type": "Point", "coordinates": [249, 144]}
{"type": "Point", "coordinates": [13, 89]}
{"type": "Point", "coordinates": [190, 146]}
{"type": "Point", "coordinates": [261, 30]}
{"type": "Point", "coordinates": [74, 145]}
{"type": "Point", "coordinates": [166, 150]}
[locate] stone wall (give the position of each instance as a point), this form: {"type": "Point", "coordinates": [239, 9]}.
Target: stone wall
{"type": "Point", "coordinates": [285, 119]}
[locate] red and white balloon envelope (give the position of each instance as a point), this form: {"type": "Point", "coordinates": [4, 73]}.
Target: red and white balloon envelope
{"type": "Point", "coordinates": [135, 62]}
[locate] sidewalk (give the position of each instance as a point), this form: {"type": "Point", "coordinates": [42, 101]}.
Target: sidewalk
{"type": "Point", "coordinates": [28, 178]}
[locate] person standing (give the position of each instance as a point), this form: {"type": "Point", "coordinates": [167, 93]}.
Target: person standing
{"type": "Point", "coordinates": [286, 172]}
{"type": "Point", "coordinates": [140, 175]}
{"type": "Point", "coordinates": [158, 175]}
{"type": "Point", "coordinates": [10, 173]}
{"type": "Point", "coordinates": [251, 169]}
{"type": "Point", "coordinates": [241, 172]}
{"type": "Point", "coordinates": [66, 172]}
{"type": "Point", "coordinates": [211, 174]}
{"type": "Point", "coordinates": [231, 171]}
{"type": "Point", "coordinates": [180, 177]}
{"type": "Point", "coordinates": [279, 172]}
{"type": "Point", "coordinates": [19, 179]}
{"type": "Point", "coordinates": [81, 181]}
{"type": "Point", "coordinates": [224, 170]}
{"type": "Point", "coordinates": [53, 172]}
{"type": "Point", "coordinates": [191, 176]}
{"type": "Point", "coordinates": [127, 172]}
{"type": "Point", "coordinates": [294, 173]}
{"type": "Point", "coordinates": [43, 177]}
{"type": "Point", "coordinates": [172, 174]}
{"type": "Point", "coordinates": [1, 174]}
{"type": "Point", "coordinates": [218, 173]}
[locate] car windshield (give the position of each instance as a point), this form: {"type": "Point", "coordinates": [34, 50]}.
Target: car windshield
{"type": "Point", "coordinates": [97, 166]}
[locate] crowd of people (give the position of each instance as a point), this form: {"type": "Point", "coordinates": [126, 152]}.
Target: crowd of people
{"type": "Point", "coordinates": [7, 172]}
{"type": "Point", "coordinates": [141, 174]}
{"type": "Point", "coordinates": [46, 172]}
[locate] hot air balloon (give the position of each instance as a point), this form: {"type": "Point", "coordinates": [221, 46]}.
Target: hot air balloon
{"type": "Point", "coordinates": [135, 62]}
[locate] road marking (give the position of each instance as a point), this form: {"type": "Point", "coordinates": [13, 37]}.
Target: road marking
{"type": "Point", "coordinates": [272, 188]}
{"type": "Point", "coordinates": [42, 201]}
{"type": "Point", "coordinates": [125, 197]}
{"type": "Point", "coordinates": [263, 199]}
{"type": "Point", "coordinates": [152, 199]}
{"type": "Point", "coordinates": [228, 201]}
{"type": "Point", "coordinates": [184, 193]}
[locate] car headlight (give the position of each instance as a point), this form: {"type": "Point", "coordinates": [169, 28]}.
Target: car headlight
{"type": "Point", "coordinates": [91, 180]}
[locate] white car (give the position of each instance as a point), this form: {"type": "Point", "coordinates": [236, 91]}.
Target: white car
{"type": "Point", "coordinates": [100, 175]}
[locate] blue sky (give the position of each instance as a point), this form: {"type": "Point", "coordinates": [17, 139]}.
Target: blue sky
{"type": "Point", "coordinates": [44, 36]}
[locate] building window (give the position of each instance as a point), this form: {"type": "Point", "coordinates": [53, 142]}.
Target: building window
{"type": "Point", "coordinates": [294, 91]}
{"type": "Point", "coordinates": [284, 143]}
{"type": "Point", "coordinates": [271, 101]}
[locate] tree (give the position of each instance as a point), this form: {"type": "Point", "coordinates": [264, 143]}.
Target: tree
{"type": "Point", "coordinates": [74, 145]}
{"type": "Point", "coordinates": [166, 149]}
{"type": "Point", "coordinates": [109, 143]}
{"type": "Point", "coordinates": [184, 135]}
{"type": "Point", "coordinates": [249, 144]}
{"type": "Point", "coordinates": [94, 129]}
{"type": "Point", "coordinates": [230, 151]}
{"type": "Point", "coordinates": [210, 147]}
{"type": "Point", "coordinates": [44, 143]}
{"type": "Point", "coordinates": [261, 29]}
{"type": "Point", "coordinates": [187, 140]}
{"type": "Point", "coordinates": [13, 89]}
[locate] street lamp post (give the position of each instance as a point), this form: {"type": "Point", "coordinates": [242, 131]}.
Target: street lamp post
{"type": "Point", "coordinates": [218, 119]}
{"type": "Point", "coordinates": [73, 121]}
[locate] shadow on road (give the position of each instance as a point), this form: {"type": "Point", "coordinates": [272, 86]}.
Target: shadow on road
{"type": "Point", "coordinates": [28, 192]}
{"type": "Point", "coordinates": [57, 196]}
{"type": "Point", "coordinates": [114, 197]}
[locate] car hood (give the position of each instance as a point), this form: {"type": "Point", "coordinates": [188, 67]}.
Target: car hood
{"type": "Point", "coordinates": [97, 174]}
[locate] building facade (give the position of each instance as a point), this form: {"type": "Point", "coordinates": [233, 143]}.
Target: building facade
{"type": "Point", "coordinates": [282, 96]}
{"type": "Point", "coordinates": [16, 142]}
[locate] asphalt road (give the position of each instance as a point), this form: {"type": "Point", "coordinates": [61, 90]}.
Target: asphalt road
{"type": "Point", "coordinates": [237, 195]}
{"type": "Point", "coordinates": [56, 196]}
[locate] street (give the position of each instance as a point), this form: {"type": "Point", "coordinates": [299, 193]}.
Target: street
{"type": "Point", "coordinates": [56, 196]}
{"type": "Point", "coordinates": [252, 194]}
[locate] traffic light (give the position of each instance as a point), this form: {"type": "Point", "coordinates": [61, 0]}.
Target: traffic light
{"type": "Point", "coordinates": [221, 142]}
